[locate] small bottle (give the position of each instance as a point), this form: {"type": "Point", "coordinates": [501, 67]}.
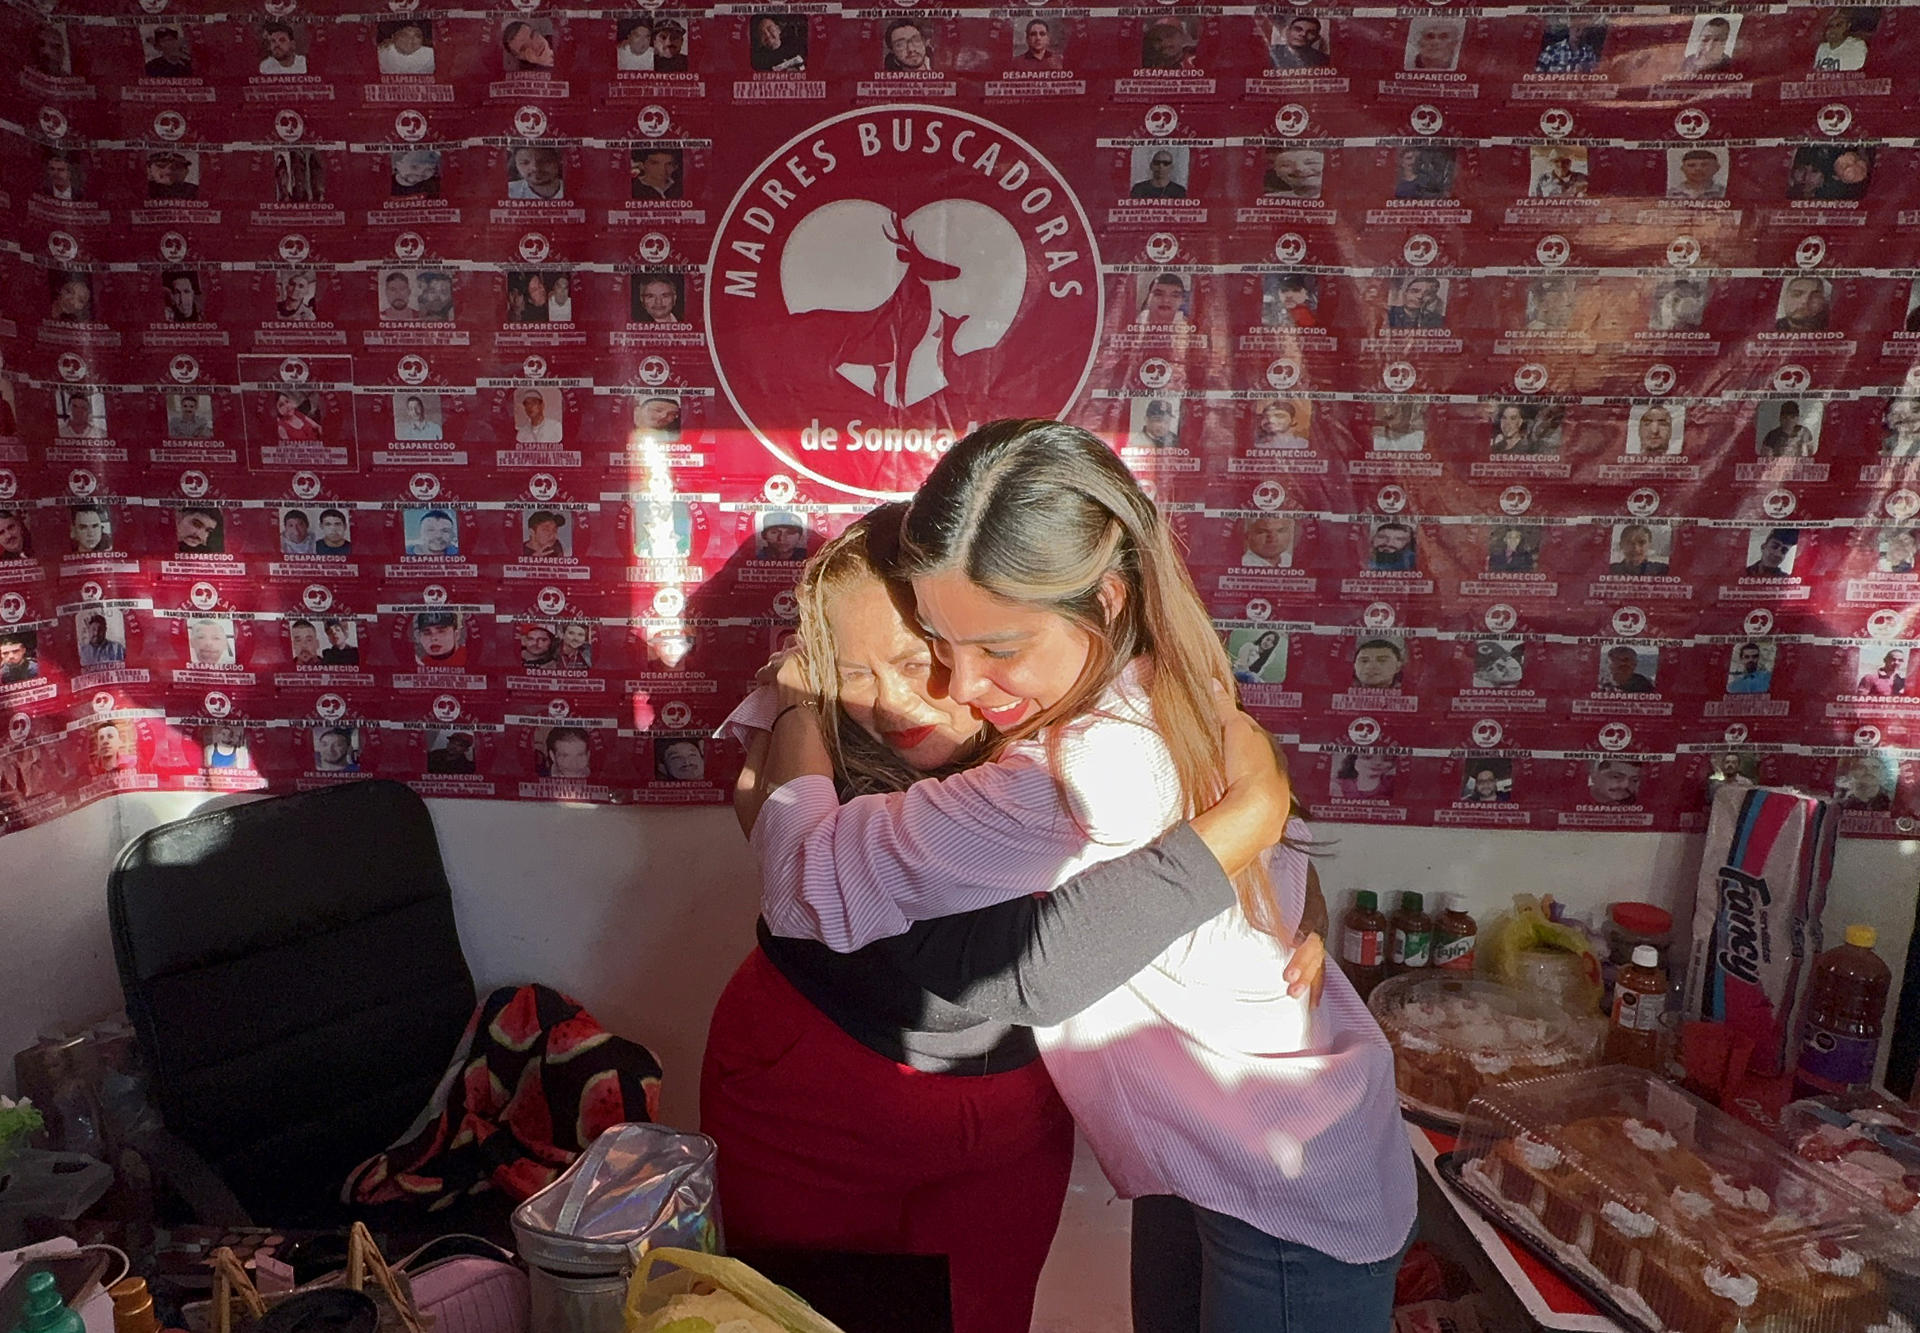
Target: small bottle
{"type": "Point", "coordinates": [133, 1306]}
{"type": "Point", "coordinates": [1845, 1005]}
{"type": "Point", "coordinates": [1453, 935]}
{"type": "Point", "coordinates": [1412, 935]}
{"type": "Point", "coordinates": [1639, 998]}
{"type": "Point", "coordinates": [1363, 943]}
{"type": "Point", "coordinates": [44, 1311]}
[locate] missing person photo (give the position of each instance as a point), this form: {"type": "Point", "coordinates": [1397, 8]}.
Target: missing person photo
{"type": "Point", "coordinates": [1434, 44]}
{"type": "Point", "coordinates": [1787, 429]}
{"type": "Point", "coordinates": [1640, 550]}
{"type": "Point", "coordinates": [297, 418]}
{"type": "Point", "coordinates": [536, 173]}
{"type": "Point", "coordinates": [1513, 550]}
{"type": "Point", "coordinates": [1259, 656]}
{"type": "Point", "coordinates": [299, 176]}
{"type": "Point", "coordinates": [298, 535]}
{"type": "Point", "coordinates": [1657, 430]}
{"type": "Point", "coordinates": [1710, 46]}
{"type": "Point", "coordinates": [90, 529]}
{"type": "Point", "coordinates": [1676, 305]}
{"type": "Point", "coordinates": [1169, 43]}
{"type": "Point", "coordinates": [1266, 542]}
{"type": "Point", "coordinates": [335, 534]}
{"type": "Point", "coordinates": [1399, 427]}
{"type": "Point", "coordinates": [1571, 45]}
{"type": "Point", "coordinates": [1843, 39]}
{"type": "Point", "coordinates": [80, 414]}
{"type": "Point", "coordinates": [1498, 664]}
{"type": "Point", "coordinates": [1867, 781]}
{"type": "Point", "coordinates": [1294, 173]}
{"type": "Point", "coordinates": [527, 46]}
{"type": "Point", "coordinates": [113, 747]}
{"type": "Point", "coordinates": [1896, 548]}
{"type": "Point", "coordinates": [1900, 427]}
{"type": "Point", "coordinates": [180, 299]}
{"type": "Point", "coordinates": [537, 416]}
{"type": "Point", "coordinates": [16, 538]}
{"type": "Point", "coordinates": [658, 298]}
{"type": "Point", "coordinates": [210, 642]}
{"type": "Point", "coordinates": [662, 529]}
{"type": "Point", "coordinates": [656, 420]}
{"type": "Point", "coordinates": [1282, 423]}
{"type": "Point", "coordinates": [283, 48]}
{"type": "Point", "coordinates": [450, 752]}
{"type": "Point", "coordinates": [416, 416]}
{"type": "Point", "coordinates": [173, 173]}
{"type": "Point", "coordinates": [189, 415]}
{"type": "Point", "coordinates": [1525, 428]}
{"type": "Point", "coordinates": [1290, 301]}
{"type": "Point", "coordinates": [1393, 547]}
{"type": "Point", "coordinates": [539, 296]}
{"type": "Point", "coordinates": [297, 294]}
{"type": "Point", "coordinates": [563, 753]}
{"type": "Point", "coordinates": [414, 173]}
{"type": "Point", "coordinates": [1551, 304]}
{"type": "Point", "coordinates": [439, 639]}
{"type": "Point", "coordinates": [1423, 173]}
{"type": "Point", "coordinates": [545, 534]}
{"type": "Point", "coordinates": [70, 297]}
{"type": "Point", "coordinates": [907, 45]}
{"type": "Point", "coordinates": [1628, 668]}
{"type": "Point", "coordinates": [1364, 777]}
{"type": "Point", "coordinates": [779, 535]}
{"type": "Point", "coordinates": [680, 759]}
{"type": "Point", "coordinates": [1696, 173]}
{"type": "Point", "coordinates": [1614, 782]}
{"type": "Point", "coordinates": [63, 176]}
{"type": "Point", "coordinates": [101, 634]}
{"type": "Point", "coordinates": [336, 749]}
{"type": "Point", "coordinates": [1378, 664]}
{"type": "Point", "coordinates": [1158, 171]}
{"type": "Point", "coordinates": [777, 43]}
{"type": "Point", "coordinates": [1805, 305]}
{"type": "Point", "coordinates": [343, 642]}
{"type": "Point", "coordinates": [431, 532]}
{"type": "Point", "coordinates": [166, 51]}
{"type": "Point", "coordinates": [1300, 41]}
{"type": "Point", "coordinates": [19, 656]}
{"type": "Point", "coordinates": [199, 530]}
{"type": "Point", "coordinates": [1165, 301]}
{"type": "Point", "coordinates": [1153, 423]}
{"type": "Point", "coordinates": [1750, 667]}
{"type": "Point", "coordinates": [1040, 43]}
{"type": "Point", "coordinates": [1487, 782]}
{"type": "Point", "coordinates": [1771, 552]}
{"type": "Point", "coordinates": [224, 746]}
{"type": "Point", "coordinates": [1880, 673]}
{"type": "Point", "coordinates": [1418, 302]}
{"type": "Point", "coordinates": [404, 46]}
{"type": "Point", "coordinates": [657, 173]}
{"type": "Point", "coordinates": [1559, 171]}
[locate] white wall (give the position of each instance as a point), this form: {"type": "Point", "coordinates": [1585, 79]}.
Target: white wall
{"type": "Point", "coordinates": [642, 913]}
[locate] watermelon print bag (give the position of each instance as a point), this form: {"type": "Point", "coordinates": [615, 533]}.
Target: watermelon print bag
{"type": "Point", "coordinates": [534, 1081]}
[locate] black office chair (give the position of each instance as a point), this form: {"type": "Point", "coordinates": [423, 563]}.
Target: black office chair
{"type": "Point", "coordinates": [294, 979]}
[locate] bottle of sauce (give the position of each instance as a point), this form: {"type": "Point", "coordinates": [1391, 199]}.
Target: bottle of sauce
{"type": "Point", "coordinates": [1639, 998]}
{"type": "Point", "coordinates": [1412, 935]}
{"type": "Point", "coordinates": [1845, 1005]}
{"type": "Point", "coordinates": [1453, 935]}
{"type": "Point", "coordinates": [1363, 943]}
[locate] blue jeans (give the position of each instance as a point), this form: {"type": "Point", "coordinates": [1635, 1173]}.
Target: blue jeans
{"type": "Point", "coordinates": [1198, 1271]}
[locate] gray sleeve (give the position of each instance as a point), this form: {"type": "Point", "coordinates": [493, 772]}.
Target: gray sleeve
{"type": "Point", "coordinates": [1035, 961]}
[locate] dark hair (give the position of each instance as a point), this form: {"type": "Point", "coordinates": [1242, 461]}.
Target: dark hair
{"type": "Point", "coordinates": [300, 514]}
{"type": "Point", "coordinates": [345, 733]}
{"type": "Point", "coordinates": [507, 34]}
{"type": "Point", "coordinates": [436, 513]}
{"type": "Point", "coordinates": [77, 510]}
{"type": "Point", "coordinates": [558, 734]}
{"type": "Point", "coordinates": [173, 275]}
{"type": "Point", "coordinates": [296, 624]}
{"type": "Point", "coordinates": [539, 516]}
{"type": "Point", "coordinates": [435, 620]}
{"type": "Point", "coordinates": [326, 514]}
{"type": "Point", "coordinates": [272, 26]}
{"type": "Point", "coordinates": [202, 510]}
{"type": "Point", "coordinates": [1398, 652]}
{"type": "Point", "coordinates": [900, 23]}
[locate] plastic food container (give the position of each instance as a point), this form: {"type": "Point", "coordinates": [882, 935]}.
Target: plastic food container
{"type": "Point", "coordinates": [1453, 1036]}
{"type": "Point", "coordinates": [1671, 1213]}
{"type": "Point", "coordinates": [1870, 1144]}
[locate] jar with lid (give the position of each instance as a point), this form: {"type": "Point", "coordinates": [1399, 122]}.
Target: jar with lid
{"type": "Point", "coordinates": [1628, 926]}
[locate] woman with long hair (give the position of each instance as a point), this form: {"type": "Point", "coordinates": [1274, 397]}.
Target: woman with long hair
{"type": "Point", "coordinates": [884, 1100]}
{"type": "Point", "coordinates": [1253, 1133]}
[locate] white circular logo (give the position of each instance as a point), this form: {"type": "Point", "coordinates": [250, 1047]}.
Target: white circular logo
{"type": "Point", "coordinates": [1643, 502]}
{"type": "Point", "coordinates": [1629, 620]}
{"type": "Point", "coordinates": [317, 597]}
{"type": "Point", "coordinates": [1516, 500]}
{"type": "Point", "coordinates": [1778, 504]}
{"type": "Point", "coordinates": [1834, 118]}
{"type": "Point", "coordinates": [423, 485]}
{"type": "Point", "coordinates": [1160, 121]}
{"type": "Point", "coordinates": [1556, 122]}
{"type": "Point", "coordinates": [446, 707]}
{"type": "Point", "coordinates": [543, 486]}
{"type": "Point", "coordinates": [1553, 250]}
{"type": "Point", "coordinates": [1660, 378]}
{"type": "Point", "coordinates": [1391, 499]}
{"type": "Point", "coordinates": [1155, 373]}
{"type": "Point", "coordinates": [184, 369]}
{"type": "Point", "coordinates": [289, 125]}
{"type": "Point", "coordinates": [171, 126]}
{"type": "Point", "coordinates": [1691, 123]}
{"type": "Point", "coordinates": [1866, 737]}
{"type": "Point", "coordinates": [72, 367]}
{"type": "Point", "coordinates": [529, 122]}
{"type": "Point", "coordinates": [409, 245]}
{"type": "Point", "coordinates": [63, 246]}
{"type": "Point", "coordinates": [1758, 621]}
{"type": "Point", "coordinates": [1269, 495]}
{"type": "Point", "coordinates": [103, 701]}
{"type": "Point", "coordinates": [1883, 624]}
{"type": "Point", "coordinates": [1500, 618]}
{"type": "Point", "coordinates": [1792, 379]}
{"type": "Point", "coordinates": [12, 607]}
{"type": "Point", "coordinates": [1530, 378]}
{"type": "Point", "coordinates": [8, 484]}
{"type": "Point", "coordinates": [1378, 615]}
{"type": "Point", "coordinates": [1903, 503]}
{"type": "Point", "coordinates": [410, 125]}
{"type": "Point", "coordinates": [550, 601]}
{"type": "Point", "coordinates": [1163, 247]}
{"type": "Point", "coordinates": [1615, 737]}
{"type": "Point", "coordinates": [1487, 733]}
{"type": "Point", "coordinates": [779, 489]}
{"type": "Point", "coordinates": [654, 247]}
{"type": "Point", "coordinates": [173, 247]}
{"type": "Point", "coordinates": [92, 591]}
{"type": "Point", "coordinates": [1426, 119]}
{"type": "Point", "coordinates": [79, 482]}
{"type": "Point", "coordinates": [19, 727]}
{"type": "Point", "coordinates": [653, 121]}
{"type": "Point", "coordinates": [203, 595]}
{"type": "Point", "coordinates": [669, 602]}
{"type": "Point", "coordinates": [1398, 376]}
{"type": "Point", "coordinates": [1811, 252]}
{"type": "Point", "coordinates": [53, 122]}
{"type": "Point", "coordinates": [1291, 120]}
{"type": "Point", "coordinates": [293, 370]}
{"type": "Point", "coordinates": [654, 370]}
{"type": "Point", "coordinates": [535, 247]}
{"type": "Point", "coordinates": [676, 714]}
{"type": "Point", "coordinates": [1735, 734]}
{"type": "Point", "coordinates": [1683, 252]}
{"type": "Point", "coordinates": [434, 594]}
{"type": "Point", "coordinates": [558, 708]}
{"type": "Point", "coordinates": [1283, 373]}
{"type": "Point", "coordinates": [534, 367]}
{"type": "Point", "coordinates": [1420, 249]}
{"type": "Point", "coordinates": [306, 485]}
{"type": "Point", "coordinates": [330, 707]}
{"type": "Point", "coordinates": [1363, 730]}
{"type": "Point", "coordinates": [1259, 610]}
{"type": "Point", "coordinates": [1291, 248]}
{"type": "Point", "coordinates": [294, 247]}
{"type": "Point", "coordinates": [786, 606]}
{"type": "Point", "coordinates": [412, 369]}
{"type": "Point", "coordinates": [217, 703]}
{"type": "Point", "coordinates": [194, 484]}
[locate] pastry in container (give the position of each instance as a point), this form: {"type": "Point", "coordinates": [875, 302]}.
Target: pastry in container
{"type": "Point", "coordinates": [1869, 1143]}
{"type": "Point", "coordinates": [1454, 1035]}
{"type": "Point", "coordinates": [1680, 1217]}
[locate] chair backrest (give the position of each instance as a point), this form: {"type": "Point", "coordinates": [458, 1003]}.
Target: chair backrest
{"type": "Point", "coordinates": [295, 980]}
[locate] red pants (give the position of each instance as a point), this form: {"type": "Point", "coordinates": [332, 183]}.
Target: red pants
{"type": "Point", "coordinates": [825, 1144]}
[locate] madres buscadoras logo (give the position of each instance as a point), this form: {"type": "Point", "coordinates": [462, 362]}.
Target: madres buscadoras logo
{"type": "Point", "coordinates": [892, 276]}
{"type": "Point", "coordinates": [1744, 900]}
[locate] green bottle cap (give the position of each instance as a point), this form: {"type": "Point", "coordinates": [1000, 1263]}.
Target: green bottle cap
{"type": "Point", "coordinates": [1412, 902]}
{"type": "Point", "coordinates": [1366, 900]}
{"type": "Point", "coordinates": [45, 1312]}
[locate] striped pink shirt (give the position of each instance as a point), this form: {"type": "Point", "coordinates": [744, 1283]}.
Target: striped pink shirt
{"type": "Point", "coordinates": [1200, 1076]}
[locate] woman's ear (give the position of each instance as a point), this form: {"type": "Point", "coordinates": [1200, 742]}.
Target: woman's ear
{"type": "Point", "coordinates": [1113, 596]}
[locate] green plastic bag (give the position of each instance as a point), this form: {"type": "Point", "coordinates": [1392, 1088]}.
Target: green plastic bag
{"type": "Point", "coordinates": [1524, 949]}
{"type": "Point", "coordinates": [710, 1293]}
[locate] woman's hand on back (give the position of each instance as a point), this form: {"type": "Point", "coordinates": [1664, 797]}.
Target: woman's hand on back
{"type": "Point", "coordinates": [1251, 815]}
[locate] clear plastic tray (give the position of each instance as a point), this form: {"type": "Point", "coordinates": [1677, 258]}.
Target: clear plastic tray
{"type": "Point", "coordinates": [1869, 1143]}
{"type": "Point", "coordinates": [1674, 1214]}
{"type": "Point", "coordinates": [1453, 1035]}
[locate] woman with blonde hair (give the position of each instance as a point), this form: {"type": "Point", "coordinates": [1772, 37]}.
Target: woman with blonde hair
{"type": "Point", "coordinates": [1261, 1136]}
{"type": "Point", "coordinates": [883, 1100]}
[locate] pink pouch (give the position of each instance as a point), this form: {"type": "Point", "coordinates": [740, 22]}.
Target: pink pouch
{"type": "Point", "coordinates": [469, 1294]}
